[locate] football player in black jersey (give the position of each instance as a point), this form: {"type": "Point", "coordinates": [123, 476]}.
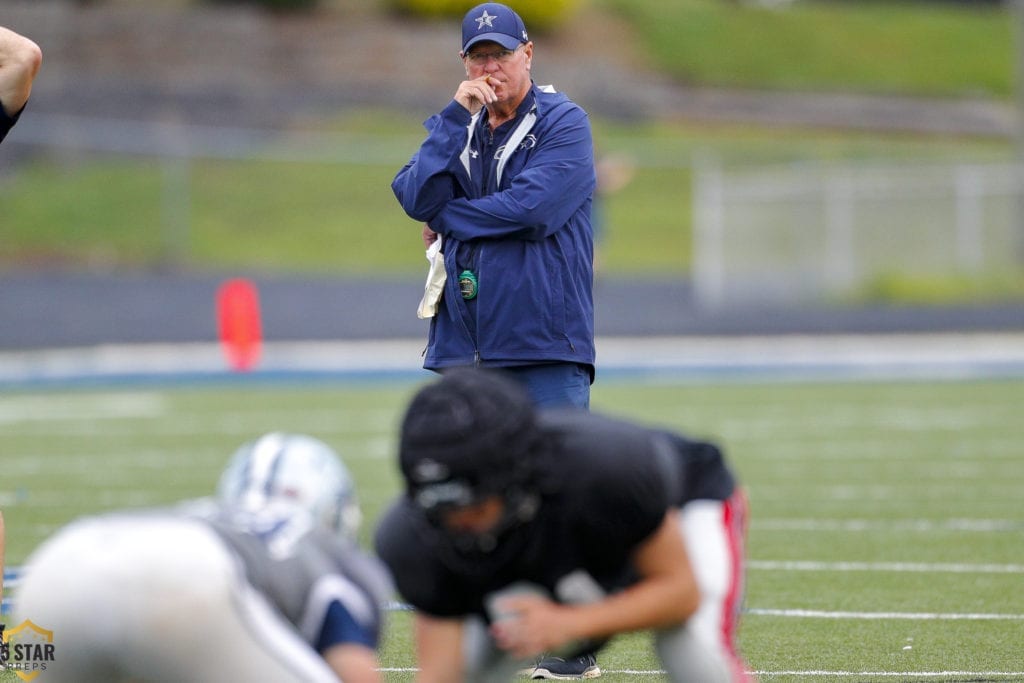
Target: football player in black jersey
{"type": "Point", "coordinates": [19, 62]}
{"type": "Point", "coordinates": [525, 532]}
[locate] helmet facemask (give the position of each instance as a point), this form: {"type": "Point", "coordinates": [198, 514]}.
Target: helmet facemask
{"type": "Point", "coordinates": [291, 475]}
{"type": "Point", "coordinates": [519, 505]}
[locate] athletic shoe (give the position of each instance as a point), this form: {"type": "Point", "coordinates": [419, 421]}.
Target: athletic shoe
{"type": "Point", "coordinates": [527, 672]}
{"type": "Point", "coordinates": [556, 668]}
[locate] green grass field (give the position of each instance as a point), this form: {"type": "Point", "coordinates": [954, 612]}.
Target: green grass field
{"type": "Point", "coordinates": [887, 528]}
{"type": "Point", "coordinates": [911, 48]}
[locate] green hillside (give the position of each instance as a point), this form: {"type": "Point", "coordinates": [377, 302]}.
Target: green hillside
{"type": "Point", "coordinates": [878, 46]}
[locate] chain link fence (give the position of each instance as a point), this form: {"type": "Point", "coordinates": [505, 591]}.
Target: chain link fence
{"type": "Point", "coordinates": [810, 233]}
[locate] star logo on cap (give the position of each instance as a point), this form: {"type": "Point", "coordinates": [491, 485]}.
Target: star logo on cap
{"type": "Point", "coordinates": [485, 19]}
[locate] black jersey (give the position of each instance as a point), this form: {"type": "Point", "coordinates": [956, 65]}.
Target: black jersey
{"type": "Point", "coordinates": [7, 122]}
{"type": "Point", "coordinates": [605, 487]}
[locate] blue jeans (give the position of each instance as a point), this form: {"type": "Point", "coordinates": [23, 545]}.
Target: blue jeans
{"type": "Point", "coordinates": [554, 385]}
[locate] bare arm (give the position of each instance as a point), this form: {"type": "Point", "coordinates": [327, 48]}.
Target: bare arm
{"type": "Point", "coordinates": [439, 649]}
{"type": "Point", "coordinates": [19, 62]}
{"type": "Point", "coordinates": [353, 663]}
{"type": "Point", "coordinates": [665, 595]}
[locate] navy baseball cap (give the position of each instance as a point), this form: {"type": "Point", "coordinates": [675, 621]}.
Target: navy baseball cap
{"type": "Point", "coordinates": [495, 22]}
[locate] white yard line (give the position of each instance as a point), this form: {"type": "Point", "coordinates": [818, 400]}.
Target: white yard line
{"type": "Point", "coordinates": [897, 525]}
{"type": "Point", "coordinates": [12, 576]}
{"type": "Point", "coordinates": [837, 674]}
{"type": "Point", "coordinates": [878, 616]}
{"type": "Point", "coordinates": [916, 567]}
{"type": "Point", "coordinates": [895, 674]}
{"type": "Point", "coordinates": [87, 407]}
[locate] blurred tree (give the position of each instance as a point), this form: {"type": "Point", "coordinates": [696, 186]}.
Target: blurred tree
{"type": "Point", "coordinates": [536, 14]}
{"type": "Point", "coordinates": [276, 5]}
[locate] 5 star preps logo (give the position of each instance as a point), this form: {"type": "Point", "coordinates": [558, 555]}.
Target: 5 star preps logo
{"type": "Point", "coordinates": [27, 649]}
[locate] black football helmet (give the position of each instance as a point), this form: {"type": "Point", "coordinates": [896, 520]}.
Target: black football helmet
{"type": "Point", "coordinates": [467, 436]}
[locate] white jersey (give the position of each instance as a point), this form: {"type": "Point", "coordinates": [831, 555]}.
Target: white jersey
{"type": "Point", "coordinates": [167, 596]}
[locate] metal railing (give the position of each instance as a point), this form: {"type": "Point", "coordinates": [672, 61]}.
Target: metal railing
{"type": "Point", "coordinates": [817, 232]}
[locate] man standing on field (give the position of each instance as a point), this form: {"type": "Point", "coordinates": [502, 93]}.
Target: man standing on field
{"type": "Point", "coordinates": [504, 182]}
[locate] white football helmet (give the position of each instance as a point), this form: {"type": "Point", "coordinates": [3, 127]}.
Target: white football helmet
{"type": "Point", "coordinates": [292, 471]}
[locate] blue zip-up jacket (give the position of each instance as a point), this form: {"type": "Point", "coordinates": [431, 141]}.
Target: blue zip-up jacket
{"type": "Point", "coordinates": [525, 218]}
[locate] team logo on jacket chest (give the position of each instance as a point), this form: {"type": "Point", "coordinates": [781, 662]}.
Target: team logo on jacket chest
{"type": "Point", "coordinates": [529, 142]}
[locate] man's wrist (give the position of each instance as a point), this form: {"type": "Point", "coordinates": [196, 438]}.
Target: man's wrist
{"type": "Point", "coordinates": [457, 111]}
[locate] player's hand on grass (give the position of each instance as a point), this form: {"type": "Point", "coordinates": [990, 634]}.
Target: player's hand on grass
{"type": "Point", "coordinates": [535, 625]}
